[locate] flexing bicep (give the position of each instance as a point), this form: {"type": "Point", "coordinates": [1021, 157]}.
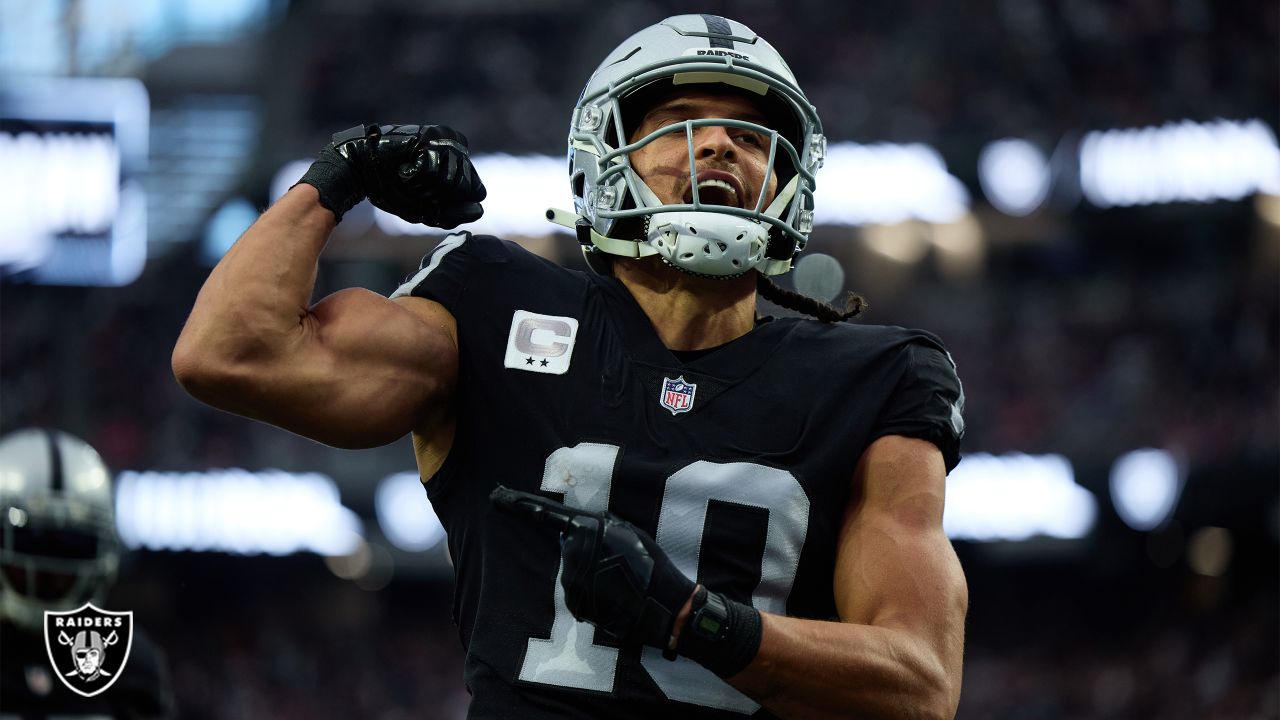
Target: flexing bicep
{"type": "Point", "coordinates": [359, 371]}
{"type": "Point", "coordinates": [895, 567]}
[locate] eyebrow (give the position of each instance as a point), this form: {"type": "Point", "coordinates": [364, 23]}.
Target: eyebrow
{"type": "Point", "coordinates": [684, 107]}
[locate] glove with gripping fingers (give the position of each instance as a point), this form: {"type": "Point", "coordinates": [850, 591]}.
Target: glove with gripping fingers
{"type": "Point", "coordinates": [617, 578]}
{"type": "Point", "coordinates": [421, 173]}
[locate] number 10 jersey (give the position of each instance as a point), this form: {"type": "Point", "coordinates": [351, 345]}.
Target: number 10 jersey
{"type": "Point", "coordinates": [739, 462]}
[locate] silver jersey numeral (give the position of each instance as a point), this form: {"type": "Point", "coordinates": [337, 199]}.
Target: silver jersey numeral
{"type": "Point", "coordinates": [569, 658]}
{"type": "Point", "coordinates": [680, 529]}
{"type": "Point", "coordinates": [584, 473]}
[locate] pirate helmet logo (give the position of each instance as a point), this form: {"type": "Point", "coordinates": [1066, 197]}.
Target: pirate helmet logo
{"type": "Point", "coordinates": [88, 647]}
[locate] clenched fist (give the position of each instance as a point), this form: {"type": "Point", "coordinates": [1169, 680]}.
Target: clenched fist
{"type": "Point", "coordinates": [421, 173]}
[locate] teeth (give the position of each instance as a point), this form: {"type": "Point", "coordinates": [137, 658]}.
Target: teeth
{"type": "Point", "coordinates": [720, 185]}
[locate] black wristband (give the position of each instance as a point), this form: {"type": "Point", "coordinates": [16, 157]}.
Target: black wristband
{"type": "Point", "coordinates": [332, 176]}
{"type": "Point", "coordinates": [720, 634]}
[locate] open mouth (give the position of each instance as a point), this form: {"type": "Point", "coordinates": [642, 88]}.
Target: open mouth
{"type": "Point", "coordinates": [717, 187]}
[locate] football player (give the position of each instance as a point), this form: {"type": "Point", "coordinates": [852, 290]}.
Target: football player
{"type": "Point", "coordinates": [658, 503]}
{"type": "Point", "coordinates": [58, 551]}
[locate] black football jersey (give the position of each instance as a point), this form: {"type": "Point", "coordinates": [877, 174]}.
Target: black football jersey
{"type": "Point", "coordinates": [30, 691]}
{"type": "Point", "coordinates": [739, 462]}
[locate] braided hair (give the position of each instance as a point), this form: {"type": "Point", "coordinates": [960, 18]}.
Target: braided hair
{"type": "Point", "coordinates": [792, 300]}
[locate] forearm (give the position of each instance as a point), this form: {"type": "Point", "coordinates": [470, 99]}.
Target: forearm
{"type": "Point", "coordinates": [815, 669]}
{"type": "Point", "coordinates": [254, 301]}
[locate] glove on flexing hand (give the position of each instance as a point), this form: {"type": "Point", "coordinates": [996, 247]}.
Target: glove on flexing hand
{"type": "Point", "coordinates": [421, 173]}
{"type": "Point", "coordinates": [618, 579]}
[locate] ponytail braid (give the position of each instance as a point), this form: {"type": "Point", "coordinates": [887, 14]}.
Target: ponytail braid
{"type": "Point", "coordinates": [792, 300]}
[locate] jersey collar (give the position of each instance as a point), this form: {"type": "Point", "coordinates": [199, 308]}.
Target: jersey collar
{"type": "Point", "coordinates": [731, 362]}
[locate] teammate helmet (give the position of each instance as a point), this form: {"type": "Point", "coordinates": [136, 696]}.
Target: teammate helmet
{"type": "Point", "coordinates": [58, 545]}
{"type": "Point", "coordinates": [618, 214]}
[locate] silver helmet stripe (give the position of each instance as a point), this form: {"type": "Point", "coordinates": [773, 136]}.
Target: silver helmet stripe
{"type": "Point", "coordinates": [56, 480]}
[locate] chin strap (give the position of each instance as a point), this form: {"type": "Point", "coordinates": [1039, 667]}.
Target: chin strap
{"type": "Point", "coordinates": [564, 218]}
{"type": "Point", "coordinates": [783, 197]}
{"type": "Point", "coordinates": [588, 237]}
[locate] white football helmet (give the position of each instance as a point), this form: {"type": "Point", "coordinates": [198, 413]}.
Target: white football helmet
{"type": "Point", "coordinates": [58, 543]}
{"type": "Point", "coordinates": [618, 214]}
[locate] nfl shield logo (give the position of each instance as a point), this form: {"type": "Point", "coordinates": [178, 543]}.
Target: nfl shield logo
{"type": "Point", "coordinates": [88, 647]}
{"type": "Point", "coordinates": [677, 395]}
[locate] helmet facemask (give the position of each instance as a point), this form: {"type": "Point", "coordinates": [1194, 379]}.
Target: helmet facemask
{"type": "Point", "coordinates": [50, 562]}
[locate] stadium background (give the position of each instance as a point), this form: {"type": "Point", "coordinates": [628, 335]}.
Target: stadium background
{"type": "Point", "coordinates": [1090, 316]}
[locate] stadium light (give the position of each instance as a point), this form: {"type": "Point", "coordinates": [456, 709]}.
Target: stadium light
{"type": "Point", "coordinates": [1145, 487]}
{"type": "Point", "coordinates": [235, 511]}
{"type": "Point", "coordinates": [286, 177]}
{"type": "Point", "coordinates": [1016, 497]}
{"type": "Point", "coordinates": [1179, 162]}
{"type": "Point", "coordinates": [521, 188]}
{"type": "Point", "coordinates": [887, 183]}
{"type": "Point", "coordinates": [90, 134]}
{"type": "Point", "coordinates": [1014, 175]}
{"type": "Point", "coordinates": [1209, 551]}
{"type": "Point", "coordinates": [225, 227]}
{"type": "Point", "coordinates": [404, 514]}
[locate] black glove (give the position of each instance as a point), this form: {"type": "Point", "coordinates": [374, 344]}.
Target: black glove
{"type": "Point", "coordinates": [618, 579]}
{"type": "Point", "coordinates": [421, 173]}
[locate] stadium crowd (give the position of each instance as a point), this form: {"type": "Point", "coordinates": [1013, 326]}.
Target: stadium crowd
{"type": "Point", "coordinates": [918, 71]}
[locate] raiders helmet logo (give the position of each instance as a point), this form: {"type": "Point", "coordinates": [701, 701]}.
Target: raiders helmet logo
{"type": "Point", "coordinates": [88, 647]}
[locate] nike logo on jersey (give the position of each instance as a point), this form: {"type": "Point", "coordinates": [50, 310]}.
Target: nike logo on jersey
{"type": "Point", "coordinates": [540, 343]}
